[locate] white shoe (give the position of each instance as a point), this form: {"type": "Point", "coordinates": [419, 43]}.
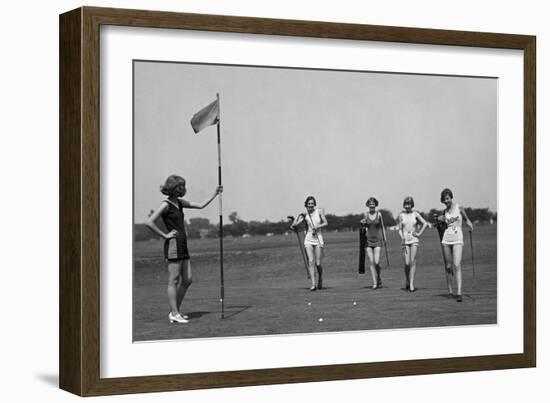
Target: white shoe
{"type": "Point", "coordinates": [177, 318]}
{"type": "Point", "coordinates": [184, 316]}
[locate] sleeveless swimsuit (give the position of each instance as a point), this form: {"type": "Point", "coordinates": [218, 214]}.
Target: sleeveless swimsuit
{"type": "Point", "coordinates": [173, 218]}
{"type": "Point", "coordinates": [310, 239]}
{"type": "Point", "coordinates": [374, 229]}
{"type": "Point", "coordinates": [453, 234]}
{"type": "Point", "coordinates": [408, 227]}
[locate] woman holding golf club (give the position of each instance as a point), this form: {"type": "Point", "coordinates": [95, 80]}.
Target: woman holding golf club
{"type": "Point", "coordinates": [376, 233]}
{"type": "Point", "coordinates": [453, 240]}
{"type": "Point", "coordinates": [409, 231]}
{"type": "Point", "coordinates": [313, 242]}
{"type": "Point", "coordinates": [176, 253]}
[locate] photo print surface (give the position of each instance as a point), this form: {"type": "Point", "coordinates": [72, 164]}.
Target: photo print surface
{"type": "Point", "coordinates": [352, 200]}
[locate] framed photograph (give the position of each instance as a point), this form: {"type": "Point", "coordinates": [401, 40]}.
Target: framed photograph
{"type": "Point", "coordinates": [249, 201]}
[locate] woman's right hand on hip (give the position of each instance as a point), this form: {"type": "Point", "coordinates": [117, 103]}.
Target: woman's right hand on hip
{"type": "Point", "coordinates": [171, 234]}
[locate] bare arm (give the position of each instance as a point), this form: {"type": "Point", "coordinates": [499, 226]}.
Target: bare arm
{"type": "Point", "coordinates": [151, 223]}
{"type": "Point", "coordinates": [324, 221]}
{"type": "Point", "coordinates": [299, 218]}
{"type": "Point", "coordinates": [195, 205]}
{"type": "Point", "coordinates": [363, 220]}
{"type": "Point", "coordinates": [468, 222]}
{"type": "Point", "coordinates": [400, 224]}
{"type": "Point", "coordinates": [422, 221]}
{"type": "Point", "coordinates": [383, 227]}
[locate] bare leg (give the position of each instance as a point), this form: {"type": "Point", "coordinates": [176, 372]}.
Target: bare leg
{"type": "Point", "coordinates": [406, 258]}
{"type": "Point", "coordinates": [311, 264]}
{"type": "Point", "coordinates": [449, 272]}
{"type": "Point", "coordinates": [457, 262]}
{"type": "Point", "coordinates": [185, 282]}
{"type": "Point", "coordinates": [370, 254]}
{"type": "Point", "coordinates": [377, 265]}
{"type": "Point", "coordinates": [174, 278]}
{"type": "Point", "coordinates": [412, 262]}
{"type": "Point", "coordinates": [318, 258]}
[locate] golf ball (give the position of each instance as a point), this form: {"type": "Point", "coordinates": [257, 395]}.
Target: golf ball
{"type": "Point", "coordinates": [309, 303]}
{"type": "Point", "coordinates": [320, 319]}
{"type": "Point", "coordinates": [354, 303]}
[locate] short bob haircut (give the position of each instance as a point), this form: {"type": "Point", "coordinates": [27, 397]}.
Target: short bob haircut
{"type": "Point", "coordinates": [372, 200]}
{"type": "Point", "coordinates": [408, 200]}
{"type": "Point", "coordinates": [446, 192]}
{"type": "Point", "coordinates": [170, 185]}
{"type": "Point", "coordinates": [308, 199]}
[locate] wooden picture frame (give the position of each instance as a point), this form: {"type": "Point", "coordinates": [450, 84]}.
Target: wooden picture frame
{"type": "Point", "coordinates": [79, 346]}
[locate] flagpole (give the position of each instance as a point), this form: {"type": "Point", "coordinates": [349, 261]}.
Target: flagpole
{"type": "Point", "coordinates": [220, 208]}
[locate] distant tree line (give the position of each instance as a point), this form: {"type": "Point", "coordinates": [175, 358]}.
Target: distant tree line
{"type": "Point", "coordinates": [476, 215]}
{"type": "Point", "coordinates": [237, 227]}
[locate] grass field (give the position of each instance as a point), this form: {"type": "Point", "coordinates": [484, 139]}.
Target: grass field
{"type": "Point", "coordinates": [266, 289]}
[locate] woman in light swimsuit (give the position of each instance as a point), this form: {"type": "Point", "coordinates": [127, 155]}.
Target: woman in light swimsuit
{"type": "Point", "coordinates": [409, 221]}
{"type": "Point", "coordinates": [375, 234]}
{"type": "Point", "coordinates": [313, 241]}
{"type": "Point", "coordinates": [453, 240]}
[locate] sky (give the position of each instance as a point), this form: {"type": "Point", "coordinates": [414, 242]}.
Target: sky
{"type": "Point", "coordinates": [340, 136]}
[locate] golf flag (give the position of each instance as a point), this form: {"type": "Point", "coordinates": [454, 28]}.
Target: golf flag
{"type": "Point", "coordinates": [207, 116]}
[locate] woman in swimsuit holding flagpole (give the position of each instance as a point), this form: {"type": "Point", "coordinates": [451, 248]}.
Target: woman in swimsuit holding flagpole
{"type": "Point", "coordinates": [176, 253]}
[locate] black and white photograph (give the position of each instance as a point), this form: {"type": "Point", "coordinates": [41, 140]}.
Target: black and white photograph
{"type": "Point", "coordinates": [246, 201]}
{"type": "Point", "coordinates": [277, 200]}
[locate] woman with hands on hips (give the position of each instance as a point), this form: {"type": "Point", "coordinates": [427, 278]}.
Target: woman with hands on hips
{"type": "Point", "coordinates": [409, 231]}
{"type": "Point", "coordinates": [453, 240]}
{"type": "Point", "coordinates": [176, 253]}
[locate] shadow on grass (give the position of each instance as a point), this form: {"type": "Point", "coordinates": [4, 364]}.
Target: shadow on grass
{"type": "Point", "coordinates": [453, 296]}
{"type": "Point", "coordinates": [416, 289]}
{"type": "Point", "coordinates": [197, 314]}
{"type": "Point", "coordinates": [369, 288]}
{"type": "Point", "coordinates": [239, 309]}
